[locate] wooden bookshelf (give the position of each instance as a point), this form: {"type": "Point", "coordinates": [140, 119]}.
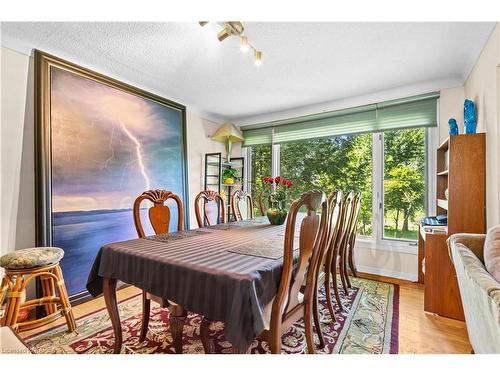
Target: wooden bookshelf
{"type": "Point", "coordinates": [461, 166]}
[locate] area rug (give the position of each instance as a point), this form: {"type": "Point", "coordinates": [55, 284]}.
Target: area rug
{"type": "Point", "coordinates": [368, 324]}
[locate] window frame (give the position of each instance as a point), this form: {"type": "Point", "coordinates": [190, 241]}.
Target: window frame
{"type": "Point", "coordinates": [377, 241]}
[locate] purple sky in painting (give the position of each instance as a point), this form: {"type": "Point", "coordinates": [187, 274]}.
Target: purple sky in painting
{"type": "Point", "coordinates": [108, 145]}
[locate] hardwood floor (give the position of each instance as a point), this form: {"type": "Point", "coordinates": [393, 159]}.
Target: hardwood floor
{"type": "Point", "coordinates": [419, 332]}
{"type": "Point", "coordinates": [424, 333]}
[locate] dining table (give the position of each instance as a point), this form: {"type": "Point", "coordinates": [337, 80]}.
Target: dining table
{"type": "Point", "coordinates": [227, 272]}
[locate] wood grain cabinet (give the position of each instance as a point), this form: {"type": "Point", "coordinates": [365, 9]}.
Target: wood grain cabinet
{"type": "Point", "coordinates": [461, 168]}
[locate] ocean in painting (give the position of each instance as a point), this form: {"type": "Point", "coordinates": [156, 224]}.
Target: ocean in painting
{"type": "Point", "coordinates": [82, 233]}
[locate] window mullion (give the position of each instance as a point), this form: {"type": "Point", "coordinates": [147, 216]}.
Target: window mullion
{"type": "Point", "coordinates": [377, 186]}
{"type": "Point", "coordinates": [247, 153]}
{"type": "Point", "coordinates": [275, 160]}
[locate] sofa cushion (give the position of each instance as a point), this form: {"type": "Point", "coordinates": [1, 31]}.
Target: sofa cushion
{"type": "Point", "coordinates": [492, 252]}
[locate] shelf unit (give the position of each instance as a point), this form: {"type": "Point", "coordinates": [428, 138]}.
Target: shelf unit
{"type": "Point", "coordinates": [461, 168]}
{"type": "Point", "coordinates": [214, 166]}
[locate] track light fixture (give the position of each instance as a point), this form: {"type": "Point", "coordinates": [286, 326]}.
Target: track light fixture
{"type": "Point", "coordinates": [235, 28]}
{"type": "Point", "coordinates": [244, 43]}
{"type": "Point", "coordinates": [223, 34]}
{"type": "Point", "coordinates": [258, 58]}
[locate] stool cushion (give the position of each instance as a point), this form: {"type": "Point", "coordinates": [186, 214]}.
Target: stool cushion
{"type": "Point", "coordinates": [32, 257]}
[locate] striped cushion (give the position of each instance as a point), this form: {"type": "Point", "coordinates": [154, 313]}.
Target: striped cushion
{"type": "Point", "coordinates": [32, 257]}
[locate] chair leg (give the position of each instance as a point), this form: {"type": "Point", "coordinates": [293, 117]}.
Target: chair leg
{"type": "Point", "coordinates": [13, 304]}
{"type": "Point", "coordinates": [48, 290]}
{"type": "Point", "coordinates": [64, 299]}
{"type": "Point", "coordinates": [341, 271]}
{"type": "Point", "coordinates": [146, 307]}
{"type": "Point", "coordinates": [346, 271]}
{"type": "Point", "coordinates": [274, 338]}
{"type": "Point", "coordinates": [3, 289]}
{"type": "Point", "coordinates": [309, 328]}
{"type": "Point", "coordinates": [333, 268]}
{"type": "Point", "coordinates": [317, 323]}
{"type": "Point", "coordinates": [328, 292]}
{"type": "Point", "coordinates": [352, 266]}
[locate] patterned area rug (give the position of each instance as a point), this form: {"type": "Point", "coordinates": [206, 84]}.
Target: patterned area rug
{"type": "Point", "coordinates": [369, 325]}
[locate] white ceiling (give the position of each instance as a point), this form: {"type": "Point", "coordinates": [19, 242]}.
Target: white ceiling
{"type": "Point", "coordinates": [303, 63]}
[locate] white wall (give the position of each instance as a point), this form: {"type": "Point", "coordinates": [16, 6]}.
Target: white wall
{"type": "Point", "coordinates": [17, 202]}
{"type": "Point", "coordinates": [199, 143]}
{"type": "Point", "coordinates": [482, 87]}
{"type": "Point", "coordinates": [17, 227]}
{"type": "Point", "coordinates": [451, 105]}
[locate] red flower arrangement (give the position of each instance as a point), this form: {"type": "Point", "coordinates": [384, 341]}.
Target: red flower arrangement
{"type": "Point", "coordinates": [276, 190]}
{"type": "Point", "coordinates": [277, 181]}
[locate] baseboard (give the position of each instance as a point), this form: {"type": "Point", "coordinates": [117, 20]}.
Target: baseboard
{"type": "Point", "coordinates": [388, 273]}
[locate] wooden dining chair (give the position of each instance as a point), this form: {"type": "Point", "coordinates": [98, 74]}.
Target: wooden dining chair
{"type": "Point", "coordinates": [334, 226]}
{"type": "Point", "coordinates": [351, 238]}
{"type": "Point", "coordinates": [347, 229]}
{"type": "Point", "coordinates": [333, 253]}
{"type": "Point", "coordinates": [290, 304]}
{"type": "Point", "coordinates": [212, 205]}
{"type": "Point", "coordinates": [237, 197]}
{"type": "Point", "coordinates": [159, 218]}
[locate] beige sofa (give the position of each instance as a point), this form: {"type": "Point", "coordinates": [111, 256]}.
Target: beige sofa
{"type": "Point", "coordinates": [479, 291]}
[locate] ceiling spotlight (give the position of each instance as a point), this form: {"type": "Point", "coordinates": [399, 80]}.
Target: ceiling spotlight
{"type": "Point", "coordinates": [258, 58]}
{"type": "Point", "coordinates": [223, 34]}
{"type": "Point", "coordinates": [236, 29]}
{"type": "Point", "coordinates": [244, 43]}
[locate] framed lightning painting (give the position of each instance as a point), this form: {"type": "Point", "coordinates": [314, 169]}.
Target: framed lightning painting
{"type": "Point", "coordinates": [99, 144]}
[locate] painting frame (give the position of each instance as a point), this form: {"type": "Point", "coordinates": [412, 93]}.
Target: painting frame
{"type": "Point", "coordinates": [44, 62]}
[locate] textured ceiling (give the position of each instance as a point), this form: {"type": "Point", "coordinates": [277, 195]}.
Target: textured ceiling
{"type": "Point", "coordinates": [303, 63]}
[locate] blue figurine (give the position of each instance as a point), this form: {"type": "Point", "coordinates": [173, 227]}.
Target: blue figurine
{"type": "Point", "coordinates": [469, 117]}
{"type": "Point", "coordinates": [453, 126]}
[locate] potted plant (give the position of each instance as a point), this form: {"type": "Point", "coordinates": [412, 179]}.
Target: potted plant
{"type": "Point", "coordinates": [230, 176]}
{"type": "Point", "coordinates": [275, 190]}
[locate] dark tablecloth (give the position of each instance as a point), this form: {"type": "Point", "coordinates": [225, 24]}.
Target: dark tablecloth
{"type": "Point", "coordinates": [197, 270]}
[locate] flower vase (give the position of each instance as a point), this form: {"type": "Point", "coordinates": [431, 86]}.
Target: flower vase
{"type": "Point", "coordinates": [276, 212]}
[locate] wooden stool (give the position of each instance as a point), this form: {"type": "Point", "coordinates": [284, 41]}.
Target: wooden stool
{"type": "Point", "coordinates": [23, 266]}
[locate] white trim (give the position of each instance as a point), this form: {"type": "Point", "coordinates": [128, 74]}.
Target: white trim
{"type": "Point", "coordinates": [432, 142]}
{"type": "Point", "coordinates": [377, 187]}
{"type": "Point", "coordinates": [246, 152]}
{"type": "Point", "coordinates": [388, 273]}
{"type": "Point", "coordinates": [395, 246]}
{"type": "Point", "coordinates": [275, 160]}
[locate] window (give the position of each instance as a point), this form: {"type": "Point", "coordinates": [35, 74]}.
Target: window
{"type": "Point", "coordinates": [342, 162]}
{"type": "Point", "coordinates": [404, 182]}
{"type": "Point", "coordinates": [379, 149]}
{"type": "Point", "coordinates": [260, 166]}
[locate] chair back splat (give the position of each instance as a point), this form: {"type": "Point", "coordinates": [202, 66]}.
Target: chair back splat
{"type": "Point", "coordinates": [237, 197]}
{"type": "Point", "coordinates": [159, 214]}
{"type": "Point", "coordinates": [213, 208]}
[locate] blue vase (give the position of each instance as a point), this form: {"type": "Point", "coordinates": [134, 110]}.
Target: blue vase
{"type": "Point", "coordinates": [469, 117]}
{"type": "Point", "coordinates": [453, 126]}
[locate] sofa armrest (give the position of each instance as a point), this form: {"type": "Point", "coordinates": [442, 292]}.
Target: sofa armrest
{"type": "Point", "coordinates": [475, 242]}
